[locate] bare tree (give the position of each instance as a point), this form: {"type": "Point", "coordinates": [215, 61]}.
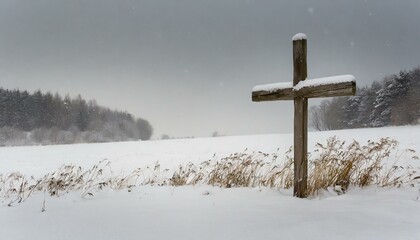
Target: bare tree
{"type": "Point", "coordinates": [318, 115]}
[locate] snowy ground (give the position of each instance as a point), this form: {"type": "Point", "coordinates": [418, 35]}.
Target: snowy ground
{"type": "Point", "coordinates": [204, 212]}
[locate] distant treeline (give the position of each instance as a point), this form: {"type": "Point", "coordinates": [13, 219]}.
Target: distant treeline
{"type": "Point", "coordinates": [44, 118]}
{"type": "Point", "coordinates": [393, 101]}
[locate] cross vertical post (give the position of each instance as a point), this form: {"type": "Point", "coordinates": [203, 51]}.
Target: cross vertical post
{"type": "Point", "coordinates": [300, 73]}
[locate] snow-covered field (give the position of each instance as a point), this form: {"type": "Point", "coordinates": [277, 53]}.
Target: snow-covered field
{"type": "Point", "coordinates": [204, 212]}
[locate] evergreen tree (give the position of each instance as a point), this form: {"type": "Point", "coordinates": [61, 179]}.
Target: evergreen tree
{"type": "Point", "coordinates": [3, 99]}
{"type": "Point", "coordinates": [367, 100]}
{"type": "Point", "coordinates": [381, 115]}
{"type": "Point", "coordinates": [52, 119]}
{"type": "Point", "coordinates": [351, 112]}
{"type": "Point", "coordinates": [80, 111]}
{"type": "Point", "coordinates": [144, 128]}
{"type": "Point", "coordinates": [393, 101]}
{"type": "Point", "coordinates": [413, 97]}
{"type": "Point", "coordinates": [399, 90]}
{"type": "Point", "coordinates": [36, 110]}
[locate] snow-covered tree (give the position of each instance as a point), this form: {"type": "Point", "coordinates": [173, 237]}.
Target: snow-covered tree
{"type": "Point", "coordinates": [351, 112]}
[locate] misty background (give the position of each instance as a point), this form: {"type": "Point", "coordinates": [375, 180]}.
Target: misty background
{"type": "Point", "coordinates": [188, 66]}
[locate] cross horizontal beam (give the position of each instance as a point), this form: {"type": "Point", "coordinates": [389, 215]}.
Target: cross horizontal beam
{"type": "Point", "coordinates": [336, 86]}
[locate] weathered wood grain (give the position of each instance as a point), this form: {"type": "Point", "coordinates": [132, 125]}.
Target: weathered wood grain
{"type": "Point", "coordinates": [279, 94]}
{"type": "Point", "coordinates": [330, 90]}
{"type": "Point", "coordinates": [300, 121]}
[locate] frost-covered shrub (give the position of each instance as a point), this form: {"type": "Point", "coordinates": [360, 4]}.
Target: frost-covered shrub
{"type": "Point", "coordinates": [11, 136]}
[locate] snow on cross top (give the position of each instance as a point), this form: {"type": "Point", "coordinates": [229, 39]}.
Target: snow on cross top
{"type": "Point", "coordinates": [324, 81]}
{"type": "Point", "coordinates": [299, 36]}
{"type": "Point", "coordinates": [272, 86]}
{"type": "Point", "coordinates": [306, 83]}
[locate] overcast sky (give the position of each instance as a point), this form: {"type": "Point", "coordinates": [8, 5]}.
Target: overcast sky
{"type": "Point", "coordinates": [188, 66]}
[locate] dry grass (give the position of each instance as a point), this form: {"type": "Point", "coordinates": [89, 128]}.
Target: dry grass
{"type": "Point", "coordinates": [343, 165]}
{"type": "Point", "coordinates": [238, 170]}
{"type": "Point", "coordinates": [335, 164]}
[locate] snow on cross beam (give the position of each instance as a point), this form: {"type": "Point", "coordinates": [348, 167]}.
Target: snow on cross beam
{"type": "Point", "coordinates": [342, 85]}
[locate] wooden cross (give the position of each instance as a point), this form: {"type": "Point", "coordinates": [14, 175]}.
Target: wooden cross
{"type": "Point", "coordinates": [300, 90]}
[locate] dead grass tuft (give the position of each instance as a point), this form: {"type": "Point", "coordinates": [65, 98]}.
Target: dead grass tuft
{"type": "Point", "coordinates": [334, 164]}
